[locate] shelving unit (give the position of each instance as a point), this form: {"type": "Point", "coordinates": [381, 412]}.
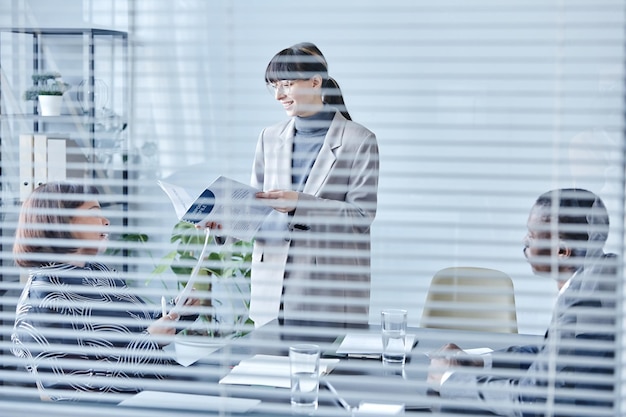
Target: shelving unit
{"type": "Point", "coordinates": [87, 58]}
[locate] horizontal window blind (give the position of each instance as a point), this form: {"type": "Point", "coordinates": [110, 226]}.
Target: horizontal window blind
{"type": "Point", "coordinates": [435, 198]}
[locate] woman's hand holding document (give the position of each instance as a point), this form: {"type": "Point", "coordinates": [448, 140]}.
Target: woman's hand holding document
{"type": "Point", "coordinates": [226, 202]}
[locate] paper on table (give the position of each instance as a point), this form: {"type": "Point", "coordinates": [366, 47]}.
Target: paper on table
{"type": "Point", "coordinates": [161, 400]}
{"type": "Point", "coordinates": [367, 344]}
{"type": "Point", "coordinates": [268, 370]}
{"type": "Point", "coordinates": [378, 409]}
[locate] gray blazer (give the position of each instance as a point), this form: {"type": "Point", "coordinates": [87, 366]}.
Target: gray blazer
{"type": "Point", "coordinates": [322, 262]}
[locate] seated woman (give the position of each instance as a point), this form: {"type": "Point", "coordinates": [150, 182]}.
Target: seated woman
{"type": "Point", "coordinates": [80, 330]}
{"type": "Point", "coordinates": [572, 372]}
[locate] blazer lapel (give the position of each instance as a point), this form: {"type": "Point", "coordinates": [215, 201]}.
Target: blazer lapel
{"type": "Point", "coordinates": [326, 158]}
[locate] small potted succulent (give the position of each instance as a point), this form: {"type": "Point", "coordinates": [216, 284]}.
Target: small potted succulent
{"type": "Point", "coordinates": [48, 89]}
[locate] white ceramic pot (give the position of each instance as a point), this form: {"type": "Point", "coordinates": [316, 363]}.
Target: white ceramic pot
{"type": "Point", "coordinates": [50, 105]}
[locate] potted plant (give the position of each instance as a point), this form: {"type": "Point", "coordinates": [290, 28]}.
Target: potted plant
{"type": "Point", "coordinates": [223, 284]}
{"type": "Point", "coordinates": [48, 89]}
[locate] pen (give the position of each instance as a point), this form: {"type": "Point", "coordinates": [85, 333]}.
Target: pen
{"type": "Point", "coordinates": [341, 401]}
{"type": "Point", "coordinates": [163, 307]}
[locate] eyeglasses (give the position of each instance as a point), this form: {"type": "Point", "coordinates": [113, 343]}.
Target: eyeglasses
{"type": "Point", "coordinates": [284, 85]}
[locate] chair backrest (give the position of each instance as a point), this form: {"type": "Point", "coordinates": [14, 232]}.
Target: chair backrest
{"type": "Point", "coordinates": [471, 298]}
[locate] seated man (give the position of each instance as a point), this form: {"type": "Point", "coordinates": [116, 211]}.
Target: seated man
{"type": "Point", "coordinates": [571, 374]}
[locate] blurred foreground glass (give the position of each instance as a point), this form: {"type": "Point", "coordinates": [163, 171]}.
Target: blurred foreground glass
{"type": "Point", "coordinates": [393, 333]}
{"type": "Point", "coordinates": [304, 363]}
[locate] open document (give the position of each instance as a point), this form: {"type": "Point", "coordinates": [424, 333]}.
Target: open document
{"type": "Point", "coordinates": [225, 201]}
{"type": "Point", "coordinates": [268, 370]}
{"type": "Point", "coordinates": [367, 345]}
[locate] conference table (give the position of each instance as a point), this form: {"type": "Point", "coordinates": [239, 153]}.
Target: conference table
{"type": "Point", "coordinates": [354, 380]}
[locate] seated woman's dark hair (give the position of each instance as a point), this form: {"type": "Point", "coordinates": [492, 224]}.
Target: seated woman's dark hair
{"type": "Point", "coordinates": [42, 225]}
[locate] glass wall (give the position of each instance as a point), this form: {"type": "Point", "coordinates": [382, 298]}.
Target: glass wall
{"type": "Point", "coordinates": [472, 111]}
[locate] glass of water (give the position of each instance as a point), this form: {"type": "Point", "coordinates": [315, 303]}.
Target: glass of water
{"type": "Point", "coordinates": [304, 363]}
{"type": "Point", "coordinates": [393, 333]}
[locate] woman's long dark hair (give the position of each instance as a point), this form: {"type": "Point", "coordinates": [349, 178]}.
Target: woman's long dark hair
{"type": "Point", "coordinates": [301, 62]}
{"type": "Point", "coordinates": [42, 221]}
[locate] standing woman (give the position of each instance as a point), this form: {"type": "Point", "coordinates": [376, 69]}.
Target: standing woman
{"type": "Point", "coordinates": [319, 171]}
{"type": "Point", "coordinates": [79, 329]}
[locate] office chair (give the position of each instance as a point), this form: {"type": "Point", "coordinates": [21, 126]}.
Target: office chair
{"type": "Point", "coordinates": [470, 298]}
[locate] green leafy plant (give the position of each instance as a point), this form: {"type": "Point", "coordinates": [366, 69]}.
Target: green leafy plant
{"type": "Point", "coordinates": [223, 265]}
{"type": "Point", "coordinates": [228, 265]}
{"type": "Point", "coordinates": [46, 84]}
{"type": "Point", "coordinates": [129, 237]}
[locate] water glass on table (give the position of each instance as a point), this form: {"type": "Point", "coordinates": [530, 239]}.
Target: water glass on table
{"type": "Point", "coordinates": [393, 333]}
{"type": "Point", "coordinates": [304, 362]}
